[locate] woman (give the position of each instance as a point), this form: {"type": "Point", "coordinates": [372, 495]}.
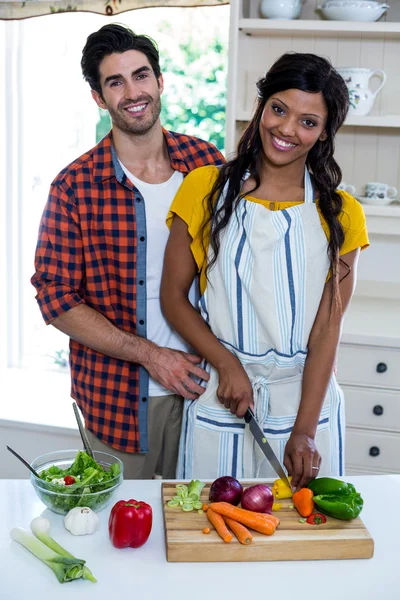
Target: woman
{"type": "Point", "coordinates": [276, 245]}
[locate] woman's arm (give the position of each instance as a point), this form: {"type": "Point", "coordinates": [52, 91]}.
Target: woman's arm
{"type": "Point", "coordinates": [180, 269]}
{"type": "Point", "coordinates": [301, 453]}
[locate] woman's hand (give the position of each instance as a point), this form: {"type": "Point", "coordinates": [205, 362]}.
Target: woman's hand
{"type": "Point", "coordinates": [302, 459]}
{"type": "Point", "coordinates": [234, 390]}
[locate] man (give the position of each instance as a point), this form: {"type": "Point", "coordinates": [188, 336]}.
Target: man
{"type": "Point", "coordinates": [99, 260]}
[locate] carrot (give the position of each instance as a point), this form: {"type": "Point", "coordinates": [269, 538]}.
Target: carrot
{"type": "Point", "coordinates": [206, 530]}
{"type": "Point", "coordinates": [219, 525]}
{"type": "Point", "coordinates": [261, 522]}
{"type": "Point", "coordinates": [266, 516]}
{"type": "Point", "coordinates": [205, 507]}
{"type": "Point", "coordinates": [243, 535]}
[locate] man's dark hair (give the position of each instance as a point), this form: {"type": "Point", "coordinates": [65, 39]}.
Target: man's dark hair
{"type": "Point", "coordinates": [115, 38]}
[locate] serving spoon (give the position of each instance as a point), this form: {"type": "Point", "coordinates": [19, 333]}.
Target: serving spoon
{"type": "Point", "coordinates": [32, 470]}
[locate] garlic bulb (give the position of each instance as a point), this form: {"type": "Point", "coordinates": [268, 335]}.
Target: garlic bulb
{"type": "Point", "coordinates": [81, 520]}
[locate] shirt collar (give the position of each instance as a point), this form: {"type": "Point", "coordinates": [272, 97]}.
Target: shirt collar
{"type": "Point", "coordinates": [106, 163]}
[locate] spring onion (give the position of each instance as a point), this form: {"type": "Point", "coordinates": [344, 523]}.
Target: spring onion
{"type": "Point", "coordinates": [65, 566]}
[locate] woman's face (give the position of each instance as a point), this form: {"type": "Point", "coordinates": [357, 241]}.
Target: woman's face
{"type": "Point", "coordinates": [291, 123]}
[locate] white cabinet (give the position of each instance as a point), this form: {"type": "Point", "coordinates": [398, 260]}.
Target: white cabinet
{"type": "Point", "coordinates": [370, 379]}
{"type": "Point", "coordinates": [367, 149]}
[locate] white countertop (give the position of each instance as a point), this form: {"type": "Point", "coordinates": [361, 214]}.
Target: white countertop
{"type": "Point", "coordinates": [145, 574]}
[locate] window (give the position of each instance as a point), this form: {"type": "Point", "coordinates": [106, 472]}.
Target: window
{"type": "Point", "coordinates": [50, 119]}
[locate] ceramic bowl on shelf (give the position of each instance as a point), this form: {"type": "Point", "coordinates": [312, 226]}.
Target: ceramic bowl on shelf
{"type": "Point", "coordinates": [347, 10]}
{"type": "Point", "coordinates": [375, 201]}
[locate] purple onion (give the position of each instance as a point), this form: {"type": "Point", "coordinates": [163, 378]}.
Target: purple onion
{"type": "Point", "coordinates": [226, 489]}
{"type": "Point", "coordinates": [258, 498]}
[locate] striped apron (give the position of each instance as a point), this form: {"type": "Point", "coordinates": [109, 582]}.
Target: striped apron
{"type": "Point", "coordinates": [261, 301]}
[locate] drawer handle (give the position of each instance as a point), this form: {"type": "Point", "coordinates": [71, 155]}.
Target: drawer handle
{"type": "Point", "coordinates": [378, 410]}
{"type": "Point", "coordinates": [381, 367]}
{"type": "Point", "coordinates": [374, 451]}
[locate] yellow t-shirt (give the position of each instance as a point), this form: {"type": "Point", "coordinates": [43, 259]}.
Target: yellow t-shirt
{"type": "Point", "coordinates": [190, 206]}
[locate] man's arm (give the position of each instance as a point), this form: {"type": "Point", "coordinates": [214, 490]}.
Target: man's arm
{"type": "Point", "coordinates": [170, 368]}
{"type": "Point", "coordinates": [58, 281]}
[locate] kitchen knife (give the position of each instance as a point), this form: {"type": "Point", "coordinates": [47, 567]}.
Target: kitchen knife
{"type": "Point", "coordinates": [265, 446]}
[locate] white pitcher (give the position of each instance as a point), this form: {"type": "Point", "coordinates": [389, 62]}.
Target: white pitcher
{"type": "Point", "coordinates": [357, 81]}
{"type": "Point", "coordinates": [281, 9]}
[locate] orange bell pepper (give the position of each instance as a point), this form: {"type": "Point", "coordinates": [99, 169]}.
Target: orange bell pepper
{"type": "Point", "coordinates": [303, 502]}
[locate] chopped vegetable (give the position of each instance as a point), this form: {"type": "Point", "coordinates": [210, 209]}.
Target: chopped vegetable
{"type": "Point", "coordinates": [277, 506]}
{"type": "Point", "coordinates": [188, 497]}
{"type": "Point", "coordinates": [40, 527]}
{"type": "Point", "coordinates": [258, 498]}
{"type": "Point", "coordinates": [316, 519]}
{"type": "Point", "coordinates": [280, 490]}
{"type": "Point", "coordinates": [243, 535]}
{"type": "Point", "coordinates": [302, 520]}
{"type": "Point", "coordinates": [130, 523]}
{"type": "Point", "coordinates": [69, 480]}
{"type": "Point", "coordinates": [261, 522]}
{"type": "Point", "coordinates": [205, 507]}
{"type": "Point", "coordinates": [206, 530]}
{"type": "Point", "coordinates": [81, 521]}
{"type": "Point", "coordinates": [303, 501]}
{"type": "Point", "coordinates": [226, 489]}
{"type": "Point", "coordinates": [219, 524]}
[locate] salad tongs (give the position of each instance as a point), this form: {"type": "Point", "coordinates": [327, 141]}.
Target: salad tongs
{"type": "Point", "coordinates": [85, 440]}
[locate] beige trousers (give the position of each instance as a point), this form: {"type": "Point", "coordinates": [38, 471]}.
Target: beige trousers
{"type": "Point", "coordinates": [164, 428]}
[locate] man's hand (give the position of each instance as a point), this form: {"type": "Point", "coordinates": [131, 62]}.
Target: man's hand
{"type": "Point", "coordinates": [302, 459]}
{"type": "Point", "coordinates": [173, 370]}
{"type": "Point", "coordinates": [234, 390]}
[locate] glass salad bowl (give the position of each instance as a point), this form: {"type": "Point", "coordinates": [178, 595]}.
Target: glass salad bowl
{"type": "Point", "coordinates": [70, 478]}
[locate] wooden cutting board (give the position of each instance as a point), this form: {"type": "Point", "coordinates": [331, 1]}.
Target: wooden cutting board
{"type": "Point", "coordinates": [292, 540]}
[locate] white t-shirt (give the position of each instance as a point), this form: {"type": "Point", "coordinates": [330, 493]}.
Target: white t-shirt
{"type": "Point", "coordinates": [157, 199]}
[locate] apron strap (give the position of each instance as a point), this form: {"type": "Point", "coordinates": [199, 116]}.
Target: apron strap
{"type": "Point", "coordinates": [308, 188]}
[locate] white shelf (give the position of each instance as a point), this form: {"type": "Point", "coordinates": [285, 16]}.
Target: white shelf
{"type": "Point", "coordinates": [392, 210]}
{"type": "Point", "coordinates": [317, 27]}
{"type": "Point", "coordinates": [383, 220]}
{"type": "Point", "coordinates": [373, 121]}
{"type": "Point", "coordinates": [351, 121]}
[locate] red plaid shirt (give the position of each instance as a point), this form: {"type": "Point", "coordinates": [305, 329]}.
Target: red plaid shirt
{"type": "Point", "coordinates": [91, 250]}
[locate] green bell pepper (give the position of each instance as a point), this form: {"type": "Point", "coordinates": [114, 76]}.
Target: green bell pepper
{"type": "Point", "coordinates": [336, 498]}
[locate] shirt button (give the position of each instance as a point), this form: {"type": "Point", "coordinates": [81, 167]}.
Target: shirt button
{"type": "Point", "coordinates": [142, 238]}
{"type": "Point", "coordinates": [141, 322]}
{"type": "Point", "coordinates": [141, 282]}
{"type": "Point", "coordinates": [138, 199]}
{"type": "Point", "coordinates": [272, 206]}
{"type": "Point", "coordinates": [144, 399]}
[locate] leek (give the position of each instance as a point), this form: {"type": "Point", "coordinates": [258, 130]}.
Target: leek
{"type": "Point", "coordinates": [65, 566]}
{"type": "Point", "coordinates": [40, 527]}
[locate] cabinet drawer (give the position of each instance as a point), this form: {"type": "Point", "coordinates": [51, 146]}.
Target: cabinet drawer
{"type": "Point", "coordinates": [369, 365]}
{"type": "Point", "coordinates": [372, 408]}
{"type": "Point", "coordinates": [373, 450]}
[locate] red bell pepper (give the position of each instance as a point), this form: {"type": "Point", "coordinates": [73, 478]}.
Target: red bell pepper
{"type": "Point", "coordinates": [130, 523]}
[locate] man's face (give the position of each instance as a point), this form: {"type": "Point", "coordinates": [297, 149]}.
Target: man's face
{"type": "Point", "coordinates": [130, 91]}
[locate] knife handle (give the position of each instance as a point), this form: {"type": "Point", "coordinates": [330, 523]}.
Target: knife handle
{"type": "Point", "coordinates": [249, 415]}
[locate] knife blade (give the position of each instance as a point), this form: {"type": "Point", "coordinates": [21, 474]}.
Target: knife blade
{"type": "Point", "coordinates": [265, 446]}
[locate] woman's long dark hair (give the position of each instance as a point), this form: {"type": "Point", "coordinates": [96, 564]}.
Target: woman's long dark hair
{"type": "Point", "coordinates": [309, 73]}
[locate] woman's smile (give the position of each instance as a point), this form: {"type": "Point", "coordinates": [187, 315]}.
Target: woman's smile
{"type": "Point", "coordinates": [281, 144]}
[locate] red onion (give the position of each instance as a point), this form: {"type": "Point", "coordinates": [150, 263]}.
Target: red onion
{"type": "Point", "coordinates": [226, 489]}
{"type": "Point", "coordinates": [258, 498]}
